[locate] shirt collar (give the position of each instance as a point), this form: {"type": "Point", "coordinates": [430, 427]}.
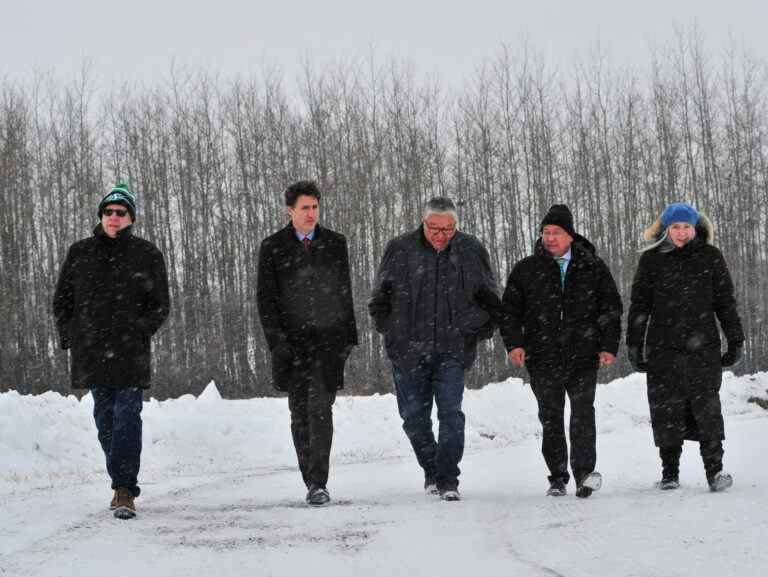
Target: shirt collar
{"type": "Point", "coordinates": [301, 236]}
{"type": "Point", "coordinates": [566, 256]}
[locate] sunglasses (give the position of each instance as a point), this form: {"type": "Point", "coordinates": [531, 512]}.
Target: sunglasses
{"type": "Point", "coordinates": [121, 212]}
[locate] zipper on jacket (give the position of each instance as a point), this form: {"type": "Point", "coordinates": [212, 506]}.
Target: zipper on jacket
{"type": "Point", "coordinates": [437, 303]}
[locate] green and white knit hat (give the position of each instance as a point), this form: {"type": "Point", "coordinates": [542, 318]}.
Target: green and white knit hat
{"type": "Point", "coordinates": [120, 194]}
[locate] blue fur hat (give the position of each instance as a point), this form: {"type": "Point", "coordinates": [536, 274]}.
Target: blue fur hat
{"type": "Point", "coordinates": [679, 212]}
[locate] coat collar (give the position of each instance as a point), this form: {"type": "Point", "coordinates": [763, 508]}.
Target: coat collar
{"type": "Point", "coordinates": [688, 248]}
{"type": "Point", "coordinates": [582, 252]}
{"type": "Point", "coordinates": [289, 232]}
{"type": "Point", "coordinates": [122, 235]}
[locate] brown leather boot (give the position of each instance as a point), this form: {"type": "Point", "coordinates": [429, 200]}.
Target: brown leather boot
{"type": "Point", "coordinates": [113, 502]}
{"type": "Point", "coordinates": [124, 507]}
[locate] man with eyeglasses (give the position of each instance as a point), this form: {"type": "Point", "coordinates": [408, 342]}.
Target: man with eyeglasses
{"type": "Point", "coordinates": [111, 297]}
{"type": "Point", "coordinates": [562, 321]}
{"type": "Point", "coordinates": [304, 295]}
{"type": "Point", "coordinates": [433, 298]}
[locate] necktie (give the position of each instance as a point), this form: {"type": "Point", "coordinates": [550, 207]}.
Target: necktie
{"type": "Point", "coordinates": [307, 242]}
{"type": "Point", "coordinates": [561, 263]}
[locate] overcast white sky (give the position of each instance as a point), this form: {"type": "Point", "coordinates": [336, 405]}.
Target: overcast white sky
{"type": "Point", "coordinates": [136, 40]}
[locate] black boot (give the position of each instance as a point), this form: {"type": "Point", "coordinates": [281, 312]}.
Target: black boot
{"type": "Point", "coordinates": [712, 455]}
{"type": "Point", "coordinates": [670, 466]}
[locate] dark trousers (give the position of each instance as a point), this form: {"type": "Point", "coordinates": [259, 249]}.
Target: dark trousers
{"type": "Point", "coordinates": [118, 420]}
{"type": "Point", "coordinates": [550, 387]}
{"type": "Point", "coordinates": [439, 377]}
{"type": "Point", "coordinates": [711, 454]}
{"type": "Point", "coordinates": [311, 406]}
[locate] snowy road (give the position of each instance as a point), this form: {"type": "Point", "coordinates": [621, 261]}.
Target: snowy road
{"type": "Point", "coordinates": [253, 522]}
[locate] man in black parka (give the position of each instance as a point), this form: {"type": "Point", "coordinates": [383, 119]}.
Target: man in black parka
{"type": "Point", "coordinates": [562, 321]}
{"type": "Point", "coordinates": [111, 297]}
{"type": "Point", "coordinates": [433, 299]}
{"type": "Point", "coordinates": [305, 304]}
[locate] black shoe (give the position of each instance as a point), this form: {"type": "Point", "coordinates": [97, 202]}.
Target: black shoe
{"type": "Point", "coordinates": [449, 491]}
{"type": "Point", "coordinates": [450, 494]}
{"type": "Point", "coordinates": [669, 483]}
{"type": "Point", "coordinates": [430, 486]}
{"type": "Point", "coordinates": [589, 484]}
{"type": "Point", "coordinates": [720, 481]}
{"type": "Point", "coordinates": [318, 496]}
{"type": "Point", "coordinates": [557, 488]}
{"type": "Point", "coordinates": [583, 492]}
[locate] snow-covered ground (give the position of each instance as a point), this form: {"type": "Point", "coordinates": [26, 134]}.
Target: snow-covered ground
{"type": "Point", "coordinates": [222, 496]}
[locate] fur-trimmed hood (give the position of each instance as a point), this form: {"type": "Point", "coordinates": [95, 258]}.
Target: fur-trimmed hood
{"type": "Point", "coordinates": [704, 230]}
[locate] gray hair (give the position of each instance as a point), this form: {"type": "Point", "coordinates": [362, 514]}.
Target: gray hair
{"type": "Point", "coordinates": [441, 205]}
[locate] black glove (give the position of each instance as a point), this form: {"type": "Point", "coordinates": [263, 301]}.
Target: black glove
{"type": "Point", "coordinates": [733, 355]}
{"type": "Point", "coordinates": [636, 359]}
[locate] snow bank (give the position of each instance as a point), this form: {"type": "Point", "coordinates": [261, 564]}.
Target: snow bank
{"type": "Point", "coordinates": [50, 439]}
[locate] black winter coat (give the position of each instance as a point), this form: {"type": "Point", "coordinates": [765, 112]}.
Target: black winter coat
{"type": "Point", "coordinates": [305, 304]}
{"type": "Point", "coordinates": [425, 301]}
{"type": "Point", "coordinates": [111, 297]}
{"type": "Point", "coordinates": [676, 296]}
{"type": "Point", "coordinates": [566, 327]}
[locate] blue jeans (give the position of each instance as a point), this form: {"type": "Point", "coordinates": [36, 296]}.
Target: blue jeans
{"type": "Point", "coordinates": [439, 377]}
{"type": "Point", "coordinates": [117, 413]}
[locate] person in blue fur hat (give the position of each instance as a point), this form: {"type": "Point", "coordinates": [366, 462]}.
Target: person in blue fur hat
{"type": "Point", "coordinates": [681, 290]}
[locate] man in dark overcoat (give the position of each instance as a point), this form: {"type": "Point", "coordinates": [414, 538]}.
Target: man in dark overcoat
{"type": "Point", "coordinates": [305, 304]}
{"type": "Point", "coordinates": [562, 321]}
{"type": "Point", "coordinates": [434, 298]}
{"type": "Point", "coordinates": [111, 297]}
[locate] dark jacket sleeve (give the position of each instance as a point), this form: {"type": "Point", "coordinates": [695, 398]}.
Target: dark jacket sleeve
{"type": "Point", "coordinates": [158, 302]}
{"type": "Point", "coordinates": [641, 303]}
{"type": "Point", "coordinates": [609, 318]}
{"type": "Point", "coordinates": [346, 295]}
{"type": "Point", "coordinates": [380, 306]}
{"type": "Point", "coordinates": [725, 302]}
{"type": "Point", "coordinates": [267, 298]}
{"type": "Point", "coordinates": [487, 295]}
{"type": "Point", "coordinates": [513, 310]}
{"type": "Point", "coordinates": [63, 301]}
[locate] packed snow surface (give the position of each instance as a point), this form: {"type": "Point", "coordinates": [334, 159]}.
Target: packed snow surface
{"type": "Point", "coordinates": [222, 495]}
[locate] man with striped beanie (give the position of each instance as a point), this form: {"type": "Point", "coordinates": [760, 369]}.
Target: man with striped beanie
{"type": "Point", "coordinates": [111, 297]}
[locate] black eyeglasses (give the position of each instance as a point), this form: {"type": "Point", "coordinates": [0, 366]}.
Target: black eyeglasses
{"type": "Point", "coordinates": [121, 212]}
{"type": "Point", "coordinates": [446, 230]}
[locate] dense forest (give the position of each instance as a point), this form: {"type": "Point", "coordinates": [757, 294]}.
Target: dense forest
{"type": "Point", "coordinates": [209, 159]}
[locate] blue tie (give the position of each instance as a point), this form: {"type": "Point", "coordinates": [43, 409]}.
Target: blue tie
{"type": "Point", "coordinates": [561, 263]}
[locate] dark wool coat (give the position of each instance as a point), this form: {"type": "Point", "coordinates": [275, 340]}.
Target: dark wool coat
{"type": "Point", "coordinates": [305, 304]}
{"type": "Point", "coordinates": [111, 297]}
{"type": "Point", "coordinates": [566, 327]}
{"type": "Point", "coordinates": [676, 296]}
{"type": "Point", "coordinates": [425, 301]}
